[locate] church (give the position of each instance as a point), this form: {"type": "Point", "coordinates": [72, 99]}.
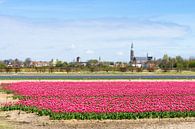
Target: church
{"type": "Point", "coordinates": [140, 62]}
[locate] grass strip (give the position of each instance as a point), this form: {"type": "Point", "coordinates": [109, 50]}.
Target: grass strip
{"type": "Point", "coordinates": [99, 116]}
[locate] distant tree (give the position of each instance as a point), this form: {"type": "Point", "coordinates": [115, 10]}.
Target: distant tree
{"type": "Point", "coordinates": [172, 62]}
{"type": "Point", "coordinates": [179, 67]}
{"type": "Point", "coordinates": [131, 68]}
{"type": "Point", "coordinates": [139, 69]}
{"type": "Point", "coordinates": [8, 70]}
{"type": "Point", "coordinates": [27, 62]}
{"type": "Point", "coordinates": [17, 63]}
{"type": "Point", "coordinates": [43, 69]}
{"type": "Point", "coordinates": [92, 68]}
{"type": "Point", "coordinates": [106, 68]}
{"type": "Point", "coordinates": [123, 69]}
{"type": "Point", "coordinates": [186, 64]}
{"type": "Point", "coordinates": [51, 69]}
{"type": "Point", "coordinates": [68, 69]}
{"type": "Point", "coordinates": [2, 65]}
{"type": "Point", "coordinates": [16, 70]}
{"type": "Point", "coordinates": [92, 65]}
{"type": "Point", "coordinates": [179, 59]}
{"type": "Point", "coordinates": [59, 64]}
{"type": "Point", "coordinates": [92, 62]}
{"type": "Point", "coordinates": [179, 63]}
{"type": "Point", "coordinates": [165, 63]}
{"type": "Point", "coordinates": [65, 64]}
{"type": "Point", "coordinates": [151, 69]}
{"type": "Point", "coordinates": [36, 69]}
{"type": "Point", "coordinates": [191, 64]}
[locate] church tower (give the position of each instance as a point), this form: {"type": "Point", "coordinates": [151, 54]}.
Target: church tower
{"type": "Point", "coordinates": [131, 54]}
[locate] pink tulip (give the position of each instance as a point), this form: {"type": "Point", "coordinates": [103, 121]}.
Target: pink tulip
{"type": "Point", "coordinates": [107, 96]}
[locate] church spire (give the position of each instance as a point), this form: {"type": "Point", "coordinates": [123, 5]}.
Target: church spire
{"type": "Point", "coordinates": [131, 45]}
{"type": "Point", "coordinates": [131, 53]}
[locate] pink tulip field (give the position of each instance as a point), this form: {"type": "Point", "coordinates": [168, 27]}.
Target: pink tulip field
{"type": "Point", "coordinates": [113, 97]}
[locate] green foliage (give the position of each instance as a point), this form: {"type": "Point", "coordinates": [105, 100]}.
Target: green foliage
{"type": "Point", "coordinates": [61, 64]}
{"type": "Point", "coordinates": [165, 64]}
{"type": "Point", "coordinates": [192, 64]}
{"type": "Point", "coordinates": [2, 65]}
{"type": "Point", "coordinates": [99, 116]}
{"type": "Point", "coordinates": [175, 63]}
{"type": "Point", "coordinates": [27, 62]}
{"type": "Point", "coordinates": [123, 69]}
{"type": "Point", "coordinates": [92, 62]}
{"type": "Point", "coordinates": [139, 69]}
{"type": "Point", "coordinates": [179, 67]}
{"type": "Point", "coordinates": [12, 92]}
{"type": "Point", "coordinates": [18, 97]}
{"type": "Point", "coordinates": [6, 91]}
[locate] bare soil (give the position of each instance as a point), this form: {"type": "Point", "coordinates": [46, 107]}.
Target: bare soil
{"type": "Point", "coordinates": [23, 120]}
{"type": "Point", "coordinates": [6, 98]}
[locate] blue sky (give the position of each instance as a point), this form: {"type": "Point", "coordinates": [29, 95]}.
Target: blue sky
{"type": "Point", "coordinates": [64, 29]}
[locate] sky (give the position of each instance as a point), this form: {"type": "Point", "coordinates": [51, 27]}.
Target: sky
{"type": "Point", "coordinates": [65, 29]}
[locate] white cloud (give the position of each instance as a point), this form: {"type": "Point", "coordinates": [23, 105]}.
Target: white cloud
{"type": "Point", "coordinates": [73, 46]}
{"type": "Point", "coordinates": [22, 38]}
{"type": "Point", "coordinates": [89, 52]}
{"type": "Point", "coordinates": [120, 53]}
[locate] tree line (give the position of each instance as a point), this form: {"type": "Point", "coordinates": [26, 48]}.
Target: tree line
{"type": "Point", "coordinates": [165, 64]}
{"type": "Point", "coordinates": [176, 63]}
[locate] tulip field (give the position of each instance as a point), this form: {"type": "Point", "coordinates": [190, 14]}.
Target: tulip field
{"type": "Point", "coordinates": [105, 100]}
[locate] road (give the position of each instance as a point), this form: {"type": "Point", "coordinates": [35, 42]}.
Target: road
{"type": "Point", "coordinates": [101, 77]}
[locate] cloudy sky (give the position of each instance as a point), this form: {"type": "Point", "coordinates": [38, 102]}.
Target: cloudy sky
{"type": "Point", "coordinates": [64, 29]}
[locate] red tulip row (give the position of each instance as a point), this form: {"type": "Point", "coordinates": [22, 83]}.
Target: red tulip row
{"type": "Point", "coordinates": [104, 97]}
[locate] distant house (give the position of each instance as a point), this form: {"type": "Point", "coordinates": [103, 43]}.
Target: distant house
{"type": "Point", "coordinates": [79, 62]}
{"type": "Point", "coordinates": [8, 63]}
{"type": "Point", "coordinates": [120, 64]}
{"type": "Point", "coordinates": [140, 62]}
{"type": "Point", "coordinates": [14, 63]}
{"type": "Point", "coordinates": [53, 62]}
{"type": "Point", "coordinates": [108, 63]}
{"type": "Point", "coordinates": [83, 63]}
{"type": "Point", "coordinates": [39, 64]}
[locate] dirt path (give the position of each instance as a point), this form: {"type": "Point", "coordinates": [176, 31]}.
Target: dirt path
{"type": "Point", "coordinates": [6, 98]}
{"type": "Point", "coordinates": [22, 120]}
